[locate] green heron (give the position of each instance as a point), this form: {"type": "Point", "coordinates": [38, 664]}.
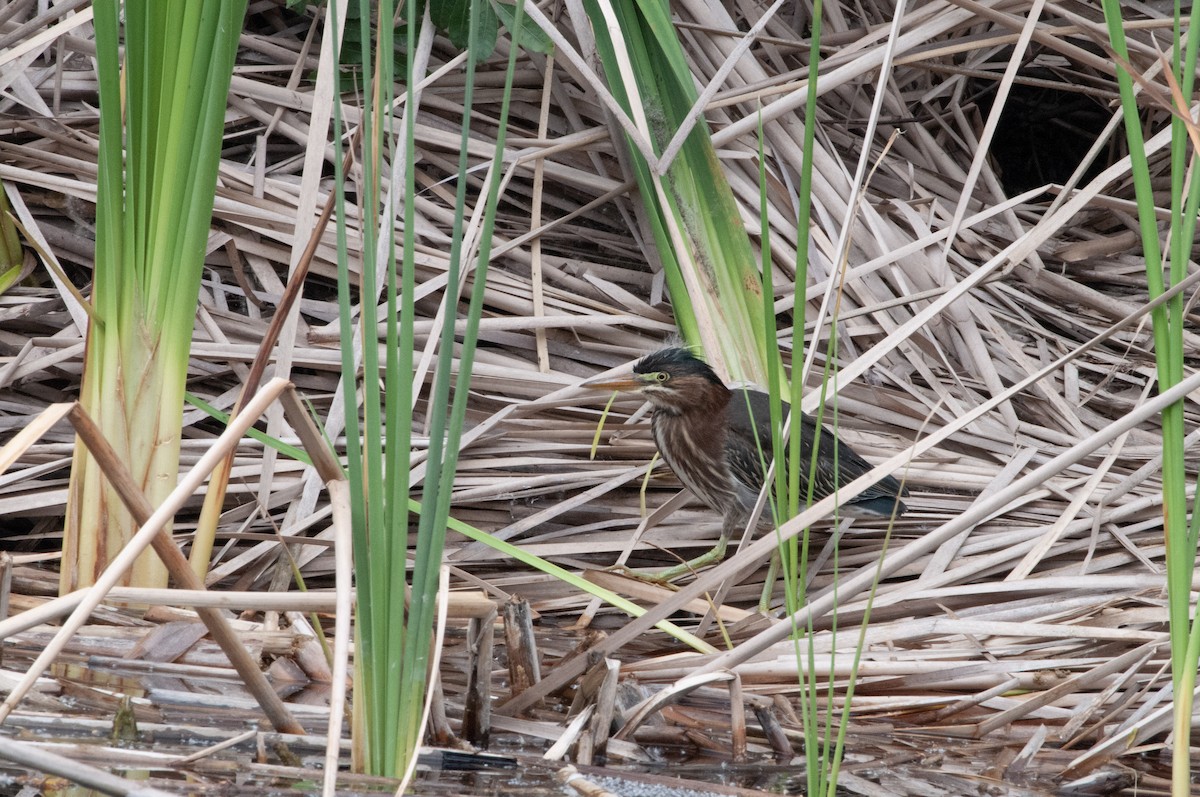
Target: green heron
{"type": "Point", "coordinates": [711, 437]}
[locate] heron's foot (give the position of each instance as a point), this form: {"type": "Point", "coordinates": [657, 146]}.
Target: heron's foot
{"type": "Point", "coordinates": [648, 577]}
{"type": "Point", "coordinates": [692, 565]}
{"type": "Point", "coordinates": [768, 590]}
{"type": "Point", "coordinates": [629, 572]}
{"type": "Point", "coordinates": [671, 573]}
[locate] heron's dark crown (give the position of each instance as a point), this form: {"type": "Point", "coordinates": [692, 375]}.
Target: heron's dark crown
{"type": "Point", "coordinates": [677, 362]}
{"type": "Point", "coordinates": [678, 383]}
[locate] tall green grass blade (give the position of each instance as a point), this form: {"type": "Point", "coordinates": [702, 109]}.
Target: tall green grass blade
{"type": "Point", "coordinates": [364, 639]}
{"type": "Point", "coordinates": [1168, 321]}
{"type": "Point", "coordinates": [11, 252]}
{"type": "Point", "coordinates": [287, 450]}
{"type": "Point", "coordinates": [378, 444]}
{"type": "Point", "coordinates": [823, 749]}
{"type": "Point", "coordinates": [395, 628]}
{"type": "Point", "coordinates": [715, 287]}
{"type": "Point", "coordinates": [431, 532]}
{"type": "Point", "coordinates": [157, 169]}
{"type": "Point", "coordinates": [569, 578]}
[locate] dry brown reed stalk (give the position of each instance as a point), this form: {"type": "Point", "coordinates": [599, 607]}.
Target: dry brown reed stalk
{"type": "Point", "coordinates": [1047, 609]}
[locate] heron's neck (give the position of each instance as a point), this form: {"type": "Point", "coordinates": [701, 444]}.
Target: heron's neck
{"type": "Point", "coordinates": [711, 404]}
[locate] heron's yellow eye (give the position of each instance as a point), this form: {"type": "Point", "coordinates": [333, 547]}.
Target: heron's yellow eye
{"type": "Point", "coordinates": [661, 376]}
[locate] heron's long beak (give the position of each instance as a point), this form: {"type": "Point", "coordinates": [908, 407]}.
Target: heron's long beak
{"type": "Point", "coordinates": [615, 382]}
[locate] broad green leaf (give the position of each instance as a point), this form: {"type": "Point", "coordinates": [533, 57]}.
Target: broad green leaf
{"type": "Point", "coordinates": [530, 36]}
{"type": "Point", "coordinates": [454, 17]}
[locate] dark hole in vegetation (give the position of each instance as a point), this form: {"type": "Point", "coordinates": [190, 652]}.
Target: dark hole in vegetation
{"type": "Point", "coordinates": [1051, 119]}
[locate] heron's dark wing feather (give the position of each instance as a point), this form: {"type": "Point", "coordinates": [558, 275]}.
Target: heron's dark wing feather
{"type": "Point", "coordinates": [748, 447]}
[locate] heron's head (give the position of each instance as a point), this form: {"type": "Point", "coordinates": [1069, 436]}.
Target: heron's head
{"type": "Point", "coordinates": [673, 380]}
